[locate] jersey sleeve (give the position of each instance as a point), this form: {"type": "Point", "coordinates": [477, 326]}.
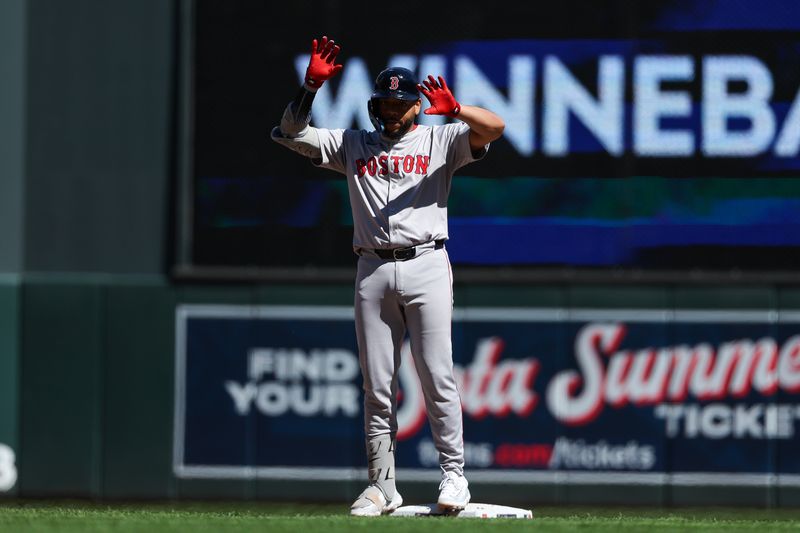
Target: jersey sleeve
{"type": "Point", "coordinates": [332, 147]}
{"type": "Point", "coordinates": [455, 138]}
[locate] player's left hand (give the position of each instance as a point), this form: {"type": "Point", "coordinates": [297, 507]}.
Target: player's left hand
{"type": "Point", "coordinates": [438, 94]}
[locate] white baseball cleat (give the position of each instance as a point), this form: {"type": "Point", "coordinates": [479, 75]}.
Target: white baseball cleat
{"type": "Point", "coordinates": [453, 492]}
{"type": "Point", "coordinates": [372, 502]}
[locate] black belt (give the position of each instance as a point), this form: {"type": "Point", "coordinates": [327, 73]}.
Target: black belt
{"type": "Point", "coordinates": [404, 254]}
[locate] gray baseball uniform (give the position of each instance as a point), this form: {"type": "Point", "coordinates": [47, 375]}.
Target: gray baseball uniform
{"type": "Point", "coordinates": [398, 194]}
{"type": "Point", "coordinates": [399, 187]}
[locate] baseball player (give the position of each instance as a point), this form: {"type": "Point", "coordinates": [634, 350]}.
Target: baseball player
{"type": "Point", "coordinates": [399, 178]}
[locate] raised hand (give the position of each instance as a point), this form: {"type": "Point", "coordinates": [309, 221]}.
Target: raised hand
{"type": "Point", "coordinates": [438, 94]}
{"type": "Point", "coordinates": [322, 66]}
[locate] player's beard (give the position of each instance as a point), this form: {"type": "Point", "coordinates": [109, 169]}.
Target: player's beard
{"type": "Point", "coordinates": [404, 126]}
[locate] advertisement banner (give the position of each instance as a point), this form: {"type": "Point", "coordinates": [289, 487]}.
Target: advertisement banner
{"type": "Point", "coordinates": [549, 395]}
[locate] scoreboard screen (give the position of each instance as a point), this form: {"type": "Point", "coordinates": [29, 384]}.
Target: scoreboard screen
{"type": "Point", "coordinates": [659, 135]}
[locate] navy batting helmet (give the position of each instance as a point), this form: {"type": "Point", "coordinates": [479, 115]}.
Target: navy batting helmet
{"type": "Point", "coordinates": [394, 82]}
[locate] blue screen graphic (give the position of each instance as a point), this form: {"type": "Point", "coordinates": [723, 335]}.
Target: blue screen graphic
{"type": "Point", "coordinates": [667, 138]}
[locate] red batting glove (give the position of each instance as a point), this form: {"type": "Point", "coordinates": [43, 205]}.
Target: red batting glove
{"type": "Point", "coordinates": [442, 100]}
{"type": "Point", "coordinates": [321, 67]}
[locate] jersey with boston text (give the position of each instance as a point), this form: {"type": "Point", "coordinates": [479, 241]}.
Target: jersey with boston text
{"type": "Point", "coordinates": [398, 190]}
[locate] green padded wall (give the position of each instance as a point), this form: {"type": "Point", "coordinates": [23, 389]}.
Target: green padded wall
{"type": "Point", "coordinates": [9, 369]}
{"type": "Point", "coordinates": [138, 376]}
{"type": "Point", "coordinates": [97, 384]}
{"type": "Point", "coordinates": [62, 389]}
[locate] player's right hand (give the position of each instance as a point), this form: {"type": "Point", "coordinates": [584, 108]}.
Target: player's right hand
{"type": "Point", "coordinates": [322, 66]}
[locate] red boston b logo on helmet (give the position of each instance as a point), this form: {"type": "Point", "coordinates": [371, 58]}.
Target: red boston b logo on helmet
{"type": "Point", "coordinates": [394, 83]}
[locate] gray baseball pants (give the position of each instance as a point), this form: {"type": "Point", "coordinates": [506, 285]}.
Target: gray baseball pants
{"type": "Point", "coordinates": [416, 295]}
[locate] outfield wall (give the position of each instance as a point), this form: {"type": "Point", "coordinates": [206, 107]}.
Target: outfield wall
{"type": "Point", "coordinates": [94, 411]}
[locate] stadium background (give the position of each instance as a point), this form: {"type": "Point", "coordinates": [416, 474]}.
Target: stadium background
{"type": "Point", "coordinates": [128, 124]}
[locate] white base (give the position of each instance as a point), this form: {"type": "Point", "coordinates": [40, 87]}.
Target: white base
{"type": "Point", "coordinates": [473, 510]}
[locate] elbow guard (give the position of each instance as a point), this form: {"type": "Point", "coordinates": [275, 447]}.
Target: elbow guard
{"type": "Point", "coordinates": [293, 125]}
{"type": "Point", "coordinates": [305, 142]}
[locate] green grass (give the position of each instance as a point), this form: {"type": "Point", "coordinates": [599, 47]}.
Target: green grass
{"type": "Point", "coordinates": [222, 517]}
